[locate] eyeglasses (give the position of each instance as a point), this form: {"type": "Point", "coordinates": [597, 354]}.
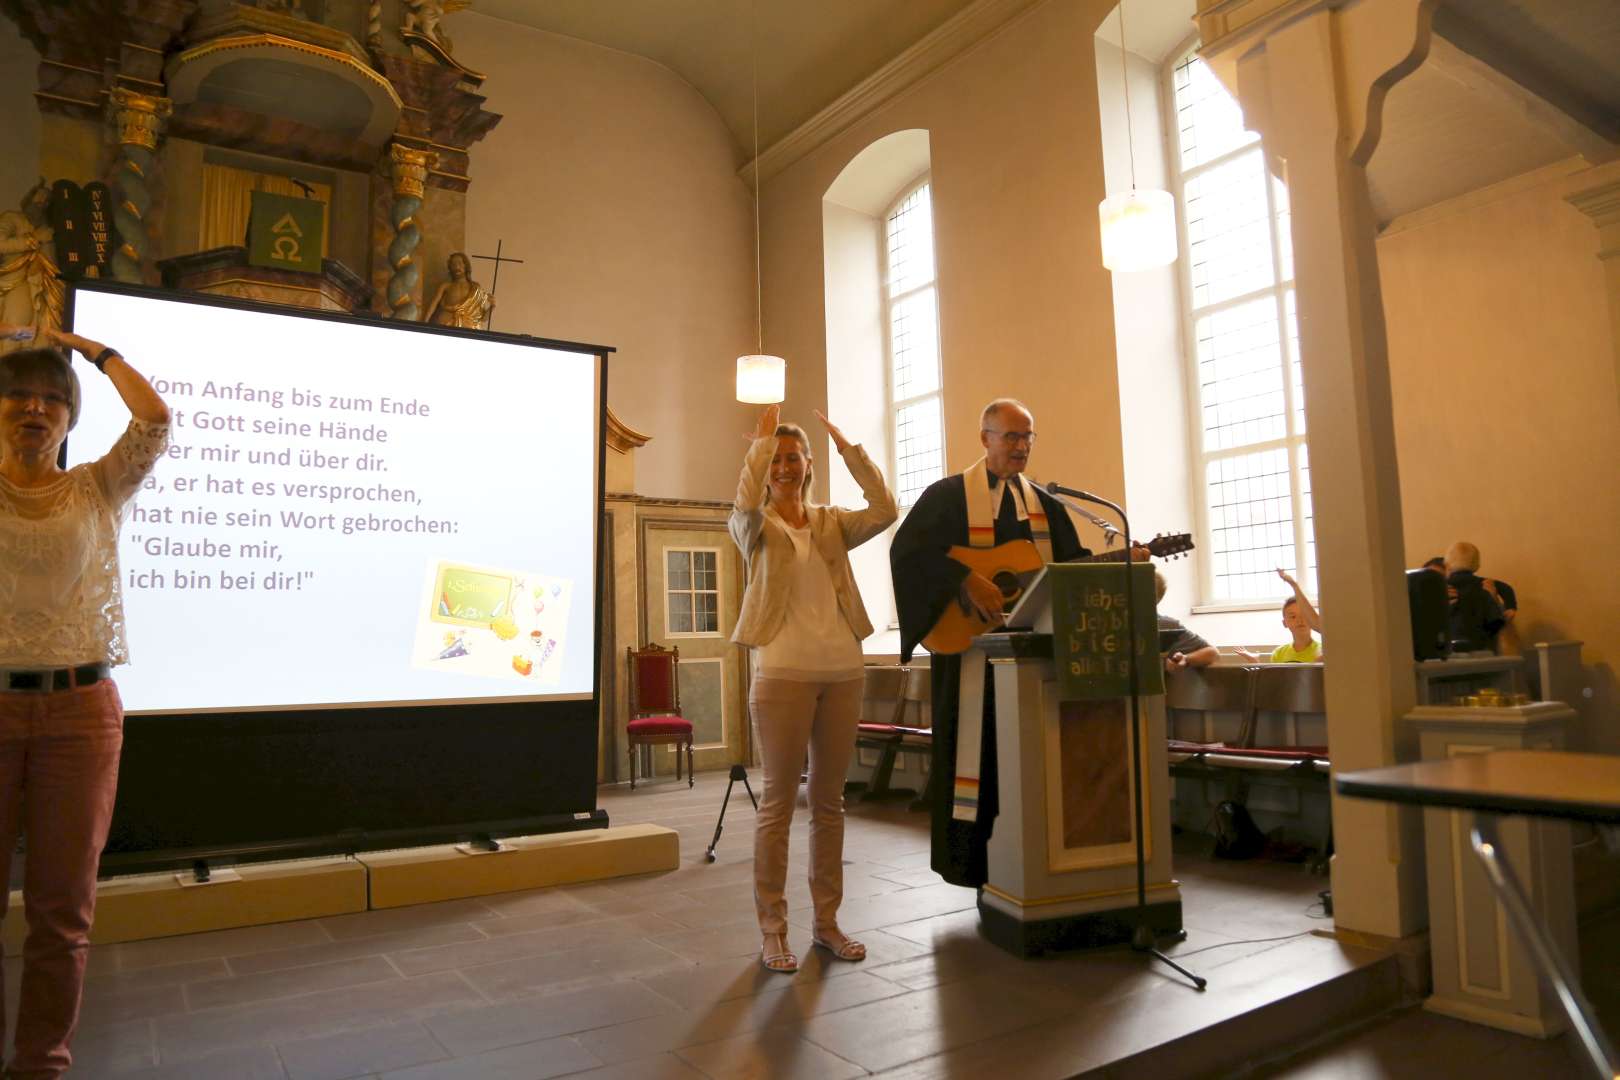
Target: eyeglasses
{"type": "Point", "coordinates": [49, 397]}
{"type": "Point", "coordinates": [1013, 438]}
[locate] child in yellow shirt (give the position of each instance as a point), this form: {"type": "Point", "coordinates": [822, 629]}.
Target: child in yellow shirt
{"type": "Point", "coordinates": [1300, 618]}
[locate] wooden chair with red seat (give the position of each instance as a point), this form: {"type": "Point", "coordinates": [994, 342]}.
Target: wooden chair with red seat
{"type": "Point", "coordinates": [655, 707]}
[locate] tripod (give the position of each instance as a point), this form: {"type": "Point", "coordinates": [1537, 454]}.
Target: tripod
{"type": "Point", "coordinates": [737, 773]}
{"type": "Point", "coordinates": [1143, 939]}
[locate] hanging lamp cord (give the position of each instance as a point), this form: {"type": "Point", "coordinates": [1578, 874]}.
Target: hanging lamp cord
{"type": "Point", "coordinates": [759, 277]}
{"type": "Point", "coordinates": [1125, 81]}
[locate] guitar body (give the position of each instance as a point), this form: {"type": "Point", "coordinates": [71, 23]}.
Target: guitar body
{"type": "Point", "coordinates": [1011, 566]}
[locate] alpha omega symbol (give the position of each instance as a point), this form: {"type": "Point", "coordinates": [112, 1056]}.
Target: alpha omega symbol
{"type": "Point", "coordinates": [286, 246]}
{"type": "Point", "coordinates": [285, 232]}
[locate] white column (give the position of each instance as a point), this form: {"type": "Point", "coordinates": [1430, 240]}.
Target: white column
{"type": "Point", "coordinates": [1312, 79]}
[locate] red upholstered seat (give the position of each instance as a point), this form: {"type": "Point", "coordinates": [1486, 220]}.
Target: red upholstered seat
{"type": "Point", "coordinates": [660, 725]}
{"type": "Point", "coordinates": [1280, 752]}
{"type": "Point", "coordinates": [655, 707]}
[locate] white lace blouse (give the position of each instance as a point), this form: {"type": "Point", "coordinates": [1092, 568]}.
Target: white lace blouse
{"type": "Point", "coordinates": [60, 602]}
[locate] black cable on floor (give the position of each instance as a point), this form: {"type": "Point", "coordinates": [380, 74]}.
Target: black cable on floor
{"type": "Point", "coordinates": [1250, 941]}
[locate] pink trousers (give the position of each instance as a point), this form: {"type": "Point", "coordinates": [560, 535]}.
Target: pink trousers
{"type": "Point", "coordinates": [792, 716]}
{"type": "Point", "coordinates": [58, 775]}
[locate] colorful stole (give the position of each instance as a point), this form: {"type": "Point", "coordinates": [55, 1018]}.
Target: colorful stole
{"type": "Point", "coordinates": [981, 515]}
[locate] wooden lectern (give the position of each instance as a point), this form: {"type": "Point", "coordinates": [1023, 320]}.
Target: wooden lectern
{"type": "Point", "coordinates": [1062, 857]}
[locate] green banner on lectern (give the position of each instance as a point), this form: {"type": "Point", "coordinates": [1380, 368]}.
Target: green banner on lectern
{"type": "Point", "coordinates": [1089, 641]}
{"type": "Point", "coordinates": [285, 232]}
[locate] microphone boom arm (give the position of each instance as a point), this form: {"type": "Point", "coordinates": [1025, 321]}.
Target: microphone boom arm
{"type": "Point", "coordinates": [1110, 531]}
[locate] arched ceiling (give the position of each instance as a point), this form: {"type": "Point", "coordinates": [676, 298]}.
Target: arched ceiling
{"type": "Point", "coordinates": [809, 53]}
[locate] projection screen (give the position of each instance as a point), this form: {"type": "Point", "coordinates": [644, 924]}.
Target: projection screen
{"type": "Point", "coordinates": [359, 588]}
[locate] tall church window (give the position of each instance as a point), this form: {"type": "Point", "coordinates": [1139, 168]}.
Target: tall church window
{"type": "Point", "coordinates": [1251, 460]}
{"type": "Point", "coordinates": [912, 306]}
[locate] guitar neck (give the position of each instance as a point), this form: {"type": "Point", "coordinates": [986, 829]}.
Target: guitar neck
{"type": "Point", "coordinates": [1107, 556]}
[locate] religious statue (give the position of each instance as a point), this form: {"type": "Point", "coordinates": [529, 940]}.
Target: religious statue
{"type": "Point", "coordinates": [422, 17]}
{"type": "Point", "coordinates": [461, 301]}
{"type": "Point", "coordinates": [295, 8]}
{"type": "Point", "coordinates": [30, 291]}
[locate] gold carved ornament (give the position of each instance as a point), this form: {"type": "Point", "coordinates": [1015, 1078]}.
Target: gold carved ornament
{"type": "Point", "coordinates": [139, 116]}
{"type": "Point", "coordinates": [410, 169]}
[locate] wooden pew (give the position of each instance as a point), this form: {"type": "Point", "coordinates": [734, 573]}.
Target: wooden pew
{"type": "Point", "coordinates": [1266, 709]}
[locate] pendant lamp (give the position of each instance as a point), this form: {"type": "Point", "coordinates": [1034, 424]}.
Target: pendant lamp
{"type": "Point", "coordinates": [1139, 227]}
{"type": "Point", "coordinates": [761, 377]}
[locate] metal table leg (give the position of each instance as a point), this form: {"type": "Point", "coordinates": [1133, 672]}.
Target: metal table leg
{"type": "Point", "coordinates": [1543, 951]}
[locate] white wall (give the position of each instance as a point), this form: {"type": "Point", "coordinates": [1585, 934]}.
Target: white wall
{"type": "Point", "coordinates": [617, 183]}
{"type": "Point", "coordinates": [1025, 305]}
{"type": "Point", "coordinates": [1507, 413]}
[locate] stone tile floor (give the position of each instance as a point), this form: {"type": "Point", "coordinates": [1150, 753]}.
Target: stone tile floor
{"type": "Point", "coordinates": [657, 976]}
{"type": "Point", "coordinates": [1412, 1044]}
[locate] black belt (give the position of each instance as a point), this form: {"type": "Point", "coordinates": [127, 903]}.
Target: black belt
{"type": "Point", "coordinates": [46, 680]}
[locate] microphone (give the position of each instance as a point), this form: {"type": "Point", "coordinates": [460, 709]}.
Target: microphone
{"type": "Point", "coordinates": [1055, 488]}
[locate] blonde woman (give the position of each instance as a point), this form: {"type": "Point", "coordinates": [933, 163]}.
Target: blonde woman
{"type": "Point", "coordinates": [803, 619]}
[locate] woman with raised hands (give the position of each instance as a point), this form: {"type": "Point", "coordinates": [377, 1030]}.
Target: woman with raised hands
{"type": "Point", "coordinates": [61, 632]}
{"type": "Point", "coordinates": [803, 620]}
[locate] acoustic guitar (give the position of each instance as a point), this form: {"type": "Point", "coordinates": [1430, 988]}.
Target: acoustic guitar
{"type": "Point", "coordinates": [1011, 566]}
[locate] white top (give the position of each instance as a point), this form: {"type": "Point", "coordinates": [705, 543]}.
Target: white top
{"type": "Point", "coordinates": [60, 603]}
{"type": "Point", "coordinates": [815, 643]}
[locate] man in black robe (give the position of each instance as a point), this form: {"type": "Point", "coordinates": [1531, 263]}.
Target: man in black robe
{"type": "Point", "coordinates": [926, 579]}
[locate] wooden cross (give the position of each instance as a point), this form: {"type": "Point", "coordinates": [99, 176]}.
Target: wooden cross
{"type": "Point", "coordinates": [497, 259]}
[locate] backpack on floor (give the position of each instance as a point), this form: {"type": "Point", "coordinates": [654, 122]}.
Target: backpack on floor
{"type": "Point", "coordinates": [1236, 834]}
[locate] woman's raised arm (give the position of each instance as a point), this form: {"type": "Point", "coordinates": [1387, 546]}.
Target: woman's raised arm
{"type": "Point", "coordinates": [859, 526]}
{"type": "Point", "coordinates": [143, 402]}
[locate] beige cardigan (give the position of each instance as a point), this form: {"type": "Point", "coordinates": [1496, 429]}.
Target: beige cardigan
{"type": "Point", "coordinates": [765, 543]}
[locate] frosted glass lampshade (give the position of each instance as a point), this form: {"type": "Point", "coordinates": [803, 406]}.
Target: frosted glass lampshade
{"type": "Point", "coordinates": [1138, 230]}
{"type": "Point", "coordinates": [761, 380]}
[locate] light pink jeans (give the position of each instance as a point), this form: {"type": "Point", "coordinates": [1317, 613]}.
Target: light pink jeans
{"type": "Point", "coordinates": [791, 716]}
{"type": "Point", "coordinates": [58, 775]}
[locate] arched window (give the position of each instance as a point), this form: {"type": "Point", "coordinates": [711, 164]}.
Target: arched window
{"type": "Point", "coordinates": [911, 306]}
{"type": "Point", "coordinates": [882, 326]}
{"type": "Point", "coordinates": [1245, 388]}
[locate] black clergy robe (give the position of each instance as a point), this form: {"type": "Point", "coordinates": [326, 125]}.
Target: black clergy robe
{"type": "Point", "coordinates": [925, 580]}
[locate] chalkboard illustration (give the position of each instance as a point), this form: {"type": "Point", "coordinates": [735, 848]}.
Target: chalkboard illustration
{"type": "Point", "coordinates": [491, 622]}
{"type": "Point", "coordinates": [469, 597]}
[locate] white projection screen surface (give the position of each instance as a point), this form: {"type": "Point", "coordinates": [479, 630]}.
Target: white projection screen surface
{"type": "Point", "coordinates": [349, 513]}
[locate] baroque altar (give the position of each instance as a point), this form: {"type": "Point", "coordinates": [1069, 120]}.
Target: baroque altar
{"type": "Point", "coordinates": [197, 115]}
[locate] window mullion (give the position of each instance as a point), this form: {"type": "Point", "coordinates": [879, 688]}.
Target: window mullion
{"type": "Point", "coordinates": [1235, 301]}
{"type": "Point", "coordinates": [895, 298]}
{"type": "Point", "coordinates": [1193, 172]}
{"type": "Point", "coordinates": [1246, 448]}
{"type": "Point", "coordinates": [914, 399]}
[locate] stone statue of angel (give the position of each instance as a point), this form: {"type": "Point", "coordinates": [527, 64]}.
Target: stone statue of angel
{"type": "Point", "coordinates": [423, 16]}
